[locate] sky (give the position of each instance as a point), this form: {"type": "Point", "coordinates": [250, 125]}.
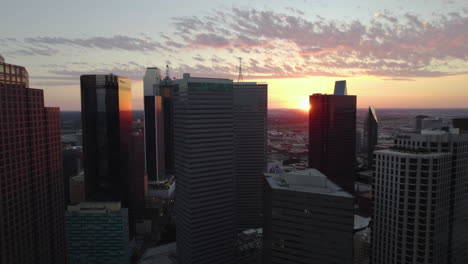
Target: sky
{"type": "Point", "coordinates": [393, 54]}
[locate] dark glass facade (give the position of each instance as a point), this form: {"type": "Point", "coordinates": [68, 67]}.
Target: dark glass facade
{"type": "Point", "coordinates": [371, 130]}
{"type": "Point", "coordinates": [154, 136]}
{"type": "Point", "coordinates": [332, 137]}
{"type": "Point", "coordinates": [31, 183]}
{"type": "Point", "coordinates": [106, 112]}
{"type": "Point", "coordinates": [250, 127]}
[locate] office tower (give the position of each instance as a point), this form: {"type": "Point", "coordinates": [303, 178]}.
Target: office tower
{"type": "Point", "coordinates": [420, 199]}
{"type": "Point", "coordinates": [332, 135]}
{"type": "Point", "coordinates": [250, 128]}
{"type": "Point", "coordinates": [418, 122]}
{"type": "Point", "coordinates": [138, 180]}
{"type": "Point", "coordinates": [204, 167]}
{"type": "Point", "coordinates": [106, 113]}
{"type": "Point", "coordinates": [77, 189]}
{"type": "Point", "coordinates": [31, 183]}
{"type": "Point", "coordinates": [13, 74]}
{"type": "Point", "coordinates": [371, 134]}
{"type": "Point", "coordinates": [72, 166]}
{"type": "Point", "coordinates": [362, 246]}
{"type": "Point", "coordinates": [97, 233]}
{"type": "Point", "coordinates": [461, 123]}
{"type": "Point", "coordinates": [154, 126]}
{"type": "Point", "coordinates": [308, 219]}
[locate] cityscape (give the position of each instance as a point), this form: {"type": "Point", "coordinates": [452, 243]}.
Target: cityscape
{"type": "Point", "coordinates": [242, 133]}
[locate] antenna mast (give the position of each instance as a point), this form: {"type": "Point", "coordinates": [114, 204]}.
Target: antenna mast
{"type": "Point", "coordinates": [167, 71]}
{"type": "Point", "coordinates": [240, 78]}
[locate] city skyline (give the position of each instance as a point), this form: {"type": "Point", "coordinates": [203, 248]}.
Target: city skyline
{"type": "Point", "coordinates": [392, 53]}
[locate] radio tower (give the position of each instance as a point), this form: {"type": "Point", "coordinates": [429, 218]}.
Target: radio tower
{"type": "Point", "coordinates": [167, 72]}
{"type": "Point", "coordinates": [240, 78]}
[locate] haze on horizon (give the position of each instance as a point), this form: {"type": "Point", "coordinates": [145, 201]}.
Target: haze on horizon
{"type": "Point", "coordinates": [393, 54]}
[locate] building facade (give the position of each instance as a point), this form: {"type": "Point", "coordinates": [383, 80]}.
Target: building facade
{"type": "Point", "coordinates": [204, 166]}
{"type": "Point", "coordinates": [97, 233]}
{"type": "Point", "coordinates": [106, 109]}
{"type": "Point", "coordinates": [31, 183]}
{"type": "Point", "coordinates": [13, 74]}
{"type": "Point", "coordinates": [420, 199]}
{"type": "Point", "coordinates": [371, 135]}
{"type": "Point", "coordinates": [332, 135]}
{"type": "Point", "coordinates": [250, 128]}
{"type": "Point", "coordinates": [308, 219]}
{"type": "Point", "coordinates": [154, 126]}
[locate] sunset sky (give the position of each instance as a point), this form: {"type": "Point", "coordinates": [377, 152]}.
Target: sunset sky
{"type": "Point", "coordinates": [398, 53]}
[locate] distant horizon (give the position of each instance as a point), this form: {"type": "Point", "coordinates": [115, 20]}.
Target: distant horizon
{"type": "Point", "coordinates": [358, 108]}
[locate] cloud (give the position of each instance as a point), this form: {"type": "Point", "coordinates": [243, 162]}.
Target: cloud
{"type": "Point", "coordinates": [199, 58]}
{"type": "Point", "coordinates": [210, 40]}
{"type": "Point", "coordinates": [387, 46]}
{"type": "Point", "coordinates": [143, 43]}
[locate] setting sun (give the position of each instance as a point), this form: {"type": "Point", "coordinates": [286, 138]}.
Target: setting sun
{"type": "Point", "coordinates": [304, 105]}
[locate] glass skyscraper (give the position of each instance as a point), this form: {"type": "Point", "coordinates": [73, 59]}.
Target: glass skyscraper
{"type": "Point", "coordinates": [332, 135]}
{"type": "Point", "coordinates": [106, 109]}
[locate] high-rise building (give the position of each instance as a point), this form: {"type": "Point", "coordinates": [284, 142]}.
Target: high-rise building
{"type": "Point", "coordinates": [250, 128]}
{"type": "Point", "coordinates": [420, 199]}
{"type": "Point", "coordinates": [332, 135]}
{"type": "Point", "coordinates": [308, 219]}
{"type": "Point", "coordinates": [154, 126]}
{"type": "Point", "coordinates": [13, 74]}
{"type": "Point", "coordinates": [371, 134]}
{"type": "Point", "coordinates": [31, 183]}
{"type": "Point", "coordinates": [106, 113]}
{"type": "Point", "coordinates": [205, 169]}
{"type": "Point", "coordinates": [461, 123]}
{"type": "Point", "coordinates": [97, 233]}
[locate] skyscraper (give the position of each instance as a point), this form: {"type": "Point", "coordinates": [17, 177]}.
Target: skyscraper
{"type": "Point", "coordinates": [106, 113]}
{"type": "Point", "coordinates": [31, 183]}
{"type": "Point", "coordinates": [204, 166]}
{"type": "Point", "coordinates": [97, 233]}
{"type": "Point", "coordinates": [154, 126]}
{"type": "Point", "coordinates": [420, 207]}
{"type": "Point", "coordinates": [332, 135]}
{"type": "Point", "coordinates": [308, 219]}
{"type": "Point", "coordinates": [371, 134]}
{"type": "Point", "coordinates": [250, 127]}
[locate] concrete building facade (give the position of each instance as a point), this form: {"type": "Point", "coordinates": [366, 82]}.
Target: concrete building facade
{"type": "Point", "coordinates": [308, 219]}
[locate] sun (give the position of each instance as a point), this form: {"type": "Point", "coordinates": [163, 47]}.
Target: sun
{"type": "Point", "coordinates": [304, 105]}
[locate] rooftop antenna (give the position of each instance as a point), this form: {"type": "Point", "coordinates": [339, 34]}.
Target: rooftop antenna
{"type": "Point", "coordinates": [240, 78]}
{"type": "Point", "coordinates": [167, 71]}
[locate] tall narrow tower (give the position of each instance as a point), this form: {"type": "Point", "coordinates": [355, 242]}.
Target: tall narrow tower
{"type": "Point", "coordinates": [154, 126]}
{"type": "Point", "coordinates": [106, 113]}
{"type": "Point", "coordinates": [371, 130]}
{"type": "Point", "coordinates": [332, 135]}
{"type": "Point", "coordinates": [204, 151]}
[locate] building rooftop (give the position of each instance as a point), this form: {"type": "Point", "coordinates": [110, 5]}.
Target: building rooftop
{"type": "Point", "coordinates": [305, 180]}
{"type": "Point", "coordinates": [411, 153]}
{"type": "Point", "coordinates": [95, 207]}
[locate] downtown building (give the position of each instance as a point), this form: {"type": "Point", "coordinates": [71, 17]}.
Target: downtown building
{"type": "Point", "coordinates": [250, 128]}
{"type": "Point", "coordinates": [308, 219]}
{"type": "Point", "coordinates": [371, 135]}
{"type": "Point", "coordinates": [31, 183]}
{"type": "Point", "coordinates": [106, 113]}
{"type": "Point", "coordinates": [97, 232]}
{"type": "Point", "coordinates": [420, 199]}
{"type": "Point", "coordinates": [332, 135]}
{"type": "Point", "coordinates": [204, 151]}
